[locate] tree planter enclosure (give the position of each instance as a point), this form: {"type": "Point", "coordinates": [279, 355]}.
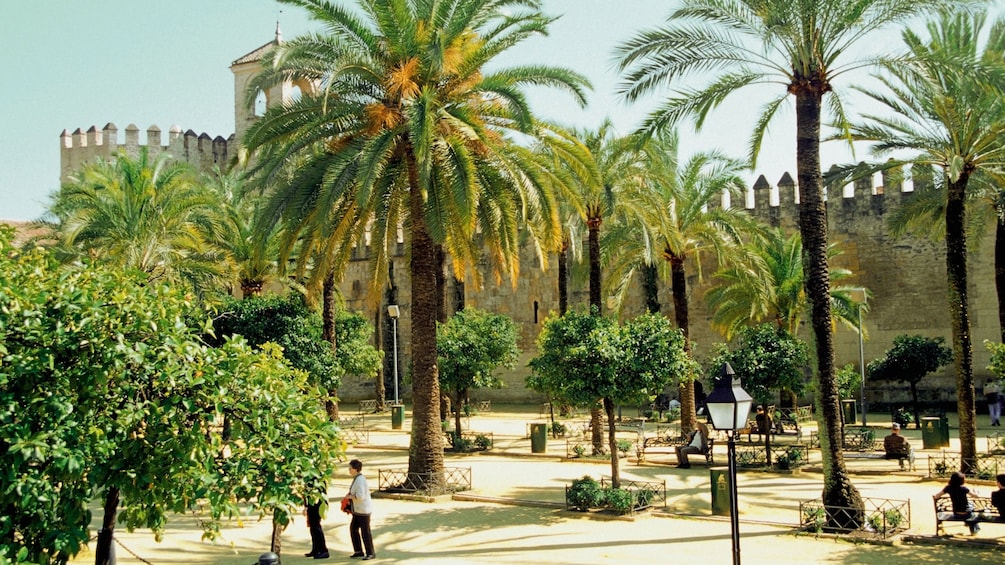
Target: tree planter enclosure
{"type": "Point", "coordinates": [588, 495]}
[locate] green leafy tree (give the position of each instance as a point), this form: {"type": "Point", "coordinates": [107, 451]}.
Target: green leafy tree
{"type": "Point", "coordinates": [803, 47]}
{"type": "Point", "coordinates": [946, 110]}
{"type": "Point", "coordinates": [410, 127]}
{"type": "Point", "coordinates": [469, 347]}
{"type": "Point", "coordinates": [105, 390]}
{"type": "Point", "coordinates": [583, 359]}
{"type": "Point", "coordinates": [911, 358]}
{"type": "Point", "coordinates": [768, 360]}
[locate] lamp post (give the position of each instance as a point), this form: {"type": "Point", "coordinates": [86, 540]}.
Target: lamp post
{"type": "Point", "coordinates": [729, 405]}
{"type": "Point", "coordinates": [861, 350]}
{"type": "Point", "coordinates": [393, 311]}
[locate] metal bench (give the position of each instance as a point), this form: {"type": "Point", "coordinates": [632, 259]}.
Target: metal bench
{"type": "Point", "coordinates": [986, 513]}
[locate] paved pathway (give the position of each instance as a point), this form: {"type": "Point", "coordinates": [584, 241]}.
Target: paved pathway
{"type": "Point", "coordinates": [458, 531]}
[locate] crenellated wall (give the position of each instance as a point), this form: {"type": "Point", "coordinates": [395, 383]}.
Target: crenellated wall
{"type": "Point", "coordinates": [200, 150]}
{"type": "Point", "coordinates": [905, 275]}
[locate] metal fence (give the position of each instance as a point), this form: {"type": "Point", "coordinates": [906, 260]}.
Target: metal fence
{"type": "Point", "coordinates": [453, 479]}
{"type": "Point", "coordinates": [944, 464]}
{"type": "Point", "coordinates": [880, 518]}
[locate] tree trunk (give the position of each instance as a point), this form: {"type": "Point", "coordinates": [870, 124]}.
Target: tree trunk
{"type": "Point", "coordinates": [612, 443]}
{"type": "Point", "coordinates": [277, 534]}
{"type": "Point", "coordinates": [917, 408]}
{"type": "Point", "coordinates": [457, 418]}
{"type": "Point", "coordinates": [596, 309]}
{"type": "Point", "coordinates": [769, 424]}
{"type": "Point", "coordinates": [678, 286]}
{"type": "Point", "coordinates": [328, 333]}
{"type": "Point", "coordinates": [563, 278]}
{"type": "Point", "coordinates": [650, 286]}
{"type": "Point", "coordinates": [425, 453]}
{"type": "Point", "coordinates": [838, 489]}
{"type": "Point", "coordinates": [956, 273]}
{"type": "Point", "coordinates": [385, 341]}
{"type": "Point", "coordinates": [441, 284]}
{"type": "Point", "coordinates": [1000, 275]}
{"type": "Point", "coordinates": [104, 552]}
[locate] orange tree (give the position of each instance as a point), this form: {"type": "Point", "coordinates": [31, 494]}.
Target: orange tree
{"type": "Point", "coordinates": [584, 359]}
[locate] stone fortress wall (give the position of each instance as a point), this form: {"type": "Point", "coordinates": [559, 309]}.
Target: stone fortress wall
{"type": "Point", "coordinates": [200, 150]}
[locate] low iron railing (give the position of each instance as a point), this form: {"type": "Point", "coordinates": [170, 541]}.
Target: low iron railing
{"type": "Point", "coordinates": [453, 479]}
{"type": "Point", "coordinates": [880, 517]}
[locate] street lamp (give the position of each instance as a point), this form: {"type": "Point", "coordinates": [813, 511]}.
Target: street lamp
{"type": "Point", "coordinates": [729, 405]}
{"type": "Point", "coordinates": [861, 350]}
{"type": "Point", "coordinates": [393, 311]}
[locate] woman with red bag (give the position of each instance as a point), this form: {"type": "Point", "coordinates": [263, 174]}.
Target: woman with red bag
{"type": "Point", "coordinates": [361, 508]}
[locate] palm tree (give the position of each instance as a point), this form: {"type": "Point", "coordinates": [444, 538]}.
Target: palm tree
{"type": "Point", "coordinates": [688, 220]}
{"type": "Point", "coordinates": [799, 45]}
{"type": "Point", "coordinates": [948, 110]}
{"type": "Point", "coordinates": [408, 127]}
{"type": "Point", "coordinates": [765, 284]}
{"type": "Point", "coordinates": [140, 213]}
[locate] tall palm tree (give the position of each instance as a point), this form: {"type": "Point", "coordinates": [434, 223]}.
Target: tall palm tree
{"type": "Point", "coordinates": [802, 46]}
{"type": "Point", "coordinates": [140, 213]}
{"type": "Point", "coordinates": [947, 109]}
{"type": "Point", "coordinates": [688, 221]}
{"type": "Point", "coordinates": [409, 128]}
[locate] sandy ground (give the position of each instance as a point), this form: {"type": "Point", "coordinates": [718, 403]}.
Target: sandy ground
{"type": "Point", "coordinates": [525, 529]}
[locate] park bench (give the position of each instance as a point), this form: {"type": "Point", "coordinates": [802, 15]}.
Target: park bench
{"type": "Point", "coordinates": [900, 458]}
{"type": "Point", "coordinates": [669, 442]}
{"type": "Point", "coordinates": [987, 514]}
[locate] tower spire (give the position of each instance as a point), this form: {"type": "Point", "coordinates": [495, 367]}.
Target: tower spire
{"type": "Point", "coordinates": [279, 33]}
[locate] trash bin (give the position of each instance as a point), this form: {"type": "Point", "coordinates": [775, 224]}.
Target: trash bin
{"type": "Point", "coordinates": [931, 433]}
{"type": "Point", "coordinates": [943, 431]}
{"type": "Point", "coordinates": [850, 411]}
{"type": "Point", "coordinates": [268, 558]}
{"type": "Point", "coordinates": [720, 490]}
{"type": "Point", "coordinates": [397, 416]}
{"type": "Point", "coordinates": [538, 438]}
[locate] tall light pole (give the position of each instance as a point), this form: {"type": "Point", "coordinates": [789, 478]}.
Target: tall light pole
{"type": "Point", "coordinates": [393, 311]}
{"type": "Point", "coordinates": [861, 350]}
{"type": "Point", "coordinates": [729, 405]}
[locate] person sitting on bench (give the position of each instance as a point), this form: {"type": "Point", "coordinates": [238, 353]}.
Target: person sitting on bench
{"type": "Point", "coordinates": [697, 442]}
{"type": "Point", "coordinates": [962, 507]}
{"type": "Point", "coordinates": [897, 446]}
{"type": "Point", "coordinates": [998, 497]}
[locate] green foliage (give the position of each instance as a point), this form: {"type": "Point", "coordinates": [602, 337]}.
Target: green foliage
{"type": "Point", "coordinates": [619, 500]}
{"type": "Point", "coordinates": [483, 441]}
{"type": "Point", "coordinates": [766, 359]}
{"type": "Point", "coordinates": [583, 358]}
{"type": "Point", "coordinates": [558, 429]}
{"type": "Point", "coordinates": [911, 358]}
{"type": "Point", "coordinates": [997, 362]}
{"type": "Point", "coordinates": [103, 387]}
{"type": "Point", "coordinates": [624, 446]}
{"type": "Point", "coordinates": [849, 381]}
{"type": "Point", "coordinates": [290, 323]}
{"type": "Point", "coordinates": [644, 497]}
{"type": "Point", "coordinates": [471, 345]}
{"type": "Point", "coordinates": [584, 494]}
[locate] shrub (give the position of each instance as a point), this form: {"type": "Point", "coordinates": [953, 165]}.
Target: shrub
{"type": "Point", "coordinates": [624, 446]}
{"type": "Point", "coordinates": [584, 494]}
{"type": "Point", "coordinates": [619, 500]}
{"type": "Point", "coordinates": [644, 497]}
{"type": "Point", "coordinates": [483, 441]}
{"type": "Point", "coordinates": [558, 429]}
{"type": "Point", "coordinates": [579, 450]}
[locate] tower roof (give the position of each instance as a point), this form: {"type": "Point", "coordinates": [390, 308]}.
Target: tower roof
{"type": "Point", "coordinates": [257, 54]}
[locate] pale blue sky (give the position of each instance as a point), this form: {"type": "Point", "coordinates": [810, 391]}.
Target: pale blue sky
{"type": "Point", "coordinates": [75, 64]}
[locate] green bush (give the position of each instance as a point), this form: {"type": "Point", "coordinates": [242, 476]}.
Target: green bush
{"type": "Point", "coordinates": [558, 429]}
{"type": "Point", "coordinates": [584, 494]}
{"type": "Point", "coordinates": [483, 441]}
{"type": "Point", "coordinates": [619, 500]}
{"type": "Point", "coordinates": [644, 497]}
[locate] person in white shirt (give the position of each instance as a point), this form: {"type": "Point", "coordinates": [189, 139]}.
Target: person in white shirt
{"type": "Point", "coordinates": [992, 392]}
{"type": "Point", "coordinates": [362, 507]}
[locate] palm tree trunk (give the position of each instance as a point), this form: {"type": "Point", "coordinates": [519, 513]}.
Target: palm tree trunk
{"type": "Point", "coordinates": [563, 278]}
{"type": "Point", "coordinates": [678, 285]}
{"type": "Point", "coordinates": [1000, 275]}
{"type": "Point", "coordinates": [441, 284]}
{"type": "Point", "coordinates": [425, 453]}
{"type": "Point", "coordinates": [651, 288]}
{"type": "Point", "coordinates": [596, 308]}
{"type": "Point", "coordinates": [838, 489]}
{"type": "Point", "coordinates": [612, 443]}
{"type": "Point", "coordinates": [956, 273]}
{"type": "Point", "coordinates": [103, 551]}
{"type": "Point", "coordinates": [328, 334]}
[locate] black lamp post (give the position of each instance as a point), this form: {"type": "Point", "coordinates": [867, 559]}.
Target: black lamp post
{"type": "Point", "coordinates": [729, 405]}
{"type": "Point", "coordinates": [393, 311]}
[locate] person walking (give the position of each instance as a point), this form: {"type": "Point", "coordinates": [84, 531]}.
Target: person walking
{"type": "Point", "coordinates": [362, 507]}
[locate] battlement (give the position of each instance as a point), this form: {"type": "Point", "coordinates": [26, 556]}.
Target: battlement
{"type": "Point", "coordinates": [200, 150]}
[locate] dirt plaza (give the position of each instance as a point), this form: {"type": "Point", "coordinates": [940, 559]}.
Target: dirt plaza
{"type": "Point", "coordinates": [514, 512]}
